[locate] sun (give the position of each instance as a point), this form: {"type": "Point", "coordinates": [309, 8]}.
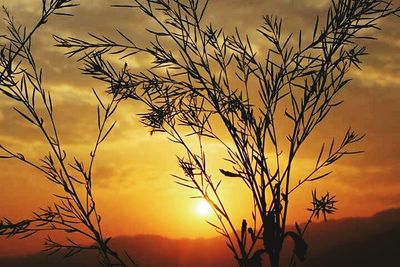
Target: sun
{"type": "Point", "coordinates": [203, 208]}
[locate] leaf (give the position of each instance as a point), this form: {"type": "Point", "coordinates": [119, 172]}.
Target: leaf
{"type": "Point", "coordinates": [62, 14]}
{"type": "Point", "coordinates": [98, 98]}
{"type": "Point", "coordinates": [300, 246]}
{"type": "Point", "coordinates": [108, 131]}
{"type": "Point", "coordinates": [214, 225]}
{"type": "Point", "coordinates": [230, 174]}
{"type": "Point", "coordinates": [10, 95]}
{"type": "Point", "coordinates": [28, 235]}
{"type": "Point", "coordinates": [320, 176]}
{"type": "Point", "coordinates": [25, 116]}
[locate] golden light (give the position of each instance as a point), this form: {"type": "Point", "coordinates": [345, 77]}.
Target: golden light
{"type": "Point", "coordinates": [203, 208]}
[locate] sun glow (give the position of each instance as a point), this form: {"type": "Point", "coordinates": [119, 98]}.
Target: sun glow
{"type": "Point", "coordinates": [203, 208]}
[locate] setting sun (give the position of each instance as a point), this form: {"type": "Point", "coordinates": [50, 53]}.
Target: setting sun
{"type": "Point", "coordinates": [203, 208]}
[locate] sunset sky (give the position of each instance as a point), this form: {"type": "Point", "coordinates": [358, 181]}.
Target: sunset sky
{"type": "Point", "coordinates": [133, 185]}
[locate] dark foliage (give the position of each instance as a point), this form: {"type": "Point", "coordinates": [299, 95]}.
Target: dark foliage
{"type": "Point", "coordinates": [202, 77]}
{"type": "Point", "coordinates": [75, 212]}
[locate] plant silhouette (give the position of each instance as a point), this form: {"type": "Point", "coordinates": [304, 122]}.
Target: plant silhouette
{"type": "Point", "coordinates": [203, 79]}
{"type": "Point", "coordinates": [75, 212]}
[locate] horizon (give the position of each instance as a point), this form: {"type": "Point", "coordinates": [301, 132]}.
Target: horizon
{"type": "Point", "coordinates": [12, 248]}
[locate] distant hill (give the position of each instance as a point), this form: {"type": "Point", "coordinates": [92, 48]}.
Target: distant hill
{"type": "Point", "coordinates": [351, 242]}
{"type": "Point", "coordinates": [356, 242]}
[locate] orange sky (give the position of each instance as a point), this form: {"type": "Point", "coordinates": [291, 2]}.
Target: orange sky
{"type": "Point", "coordinates": [134, 190]}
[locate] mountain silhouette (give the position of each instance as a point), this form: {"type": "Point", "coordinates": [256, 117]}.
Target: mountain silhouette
{"type": "Point", "coordinates": [350, 242]}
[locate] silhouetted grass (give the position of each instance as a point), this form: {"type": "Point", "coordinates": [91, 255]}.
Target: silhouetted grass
{"type": "Point", "coordinates": [75, 212]}
{"type": "Point", "coordinates": [202, 77]}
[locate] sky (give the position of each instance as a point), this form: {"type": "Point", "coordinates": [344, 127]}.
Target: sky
{"type": "Point", "coordinates": [135, 191]}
